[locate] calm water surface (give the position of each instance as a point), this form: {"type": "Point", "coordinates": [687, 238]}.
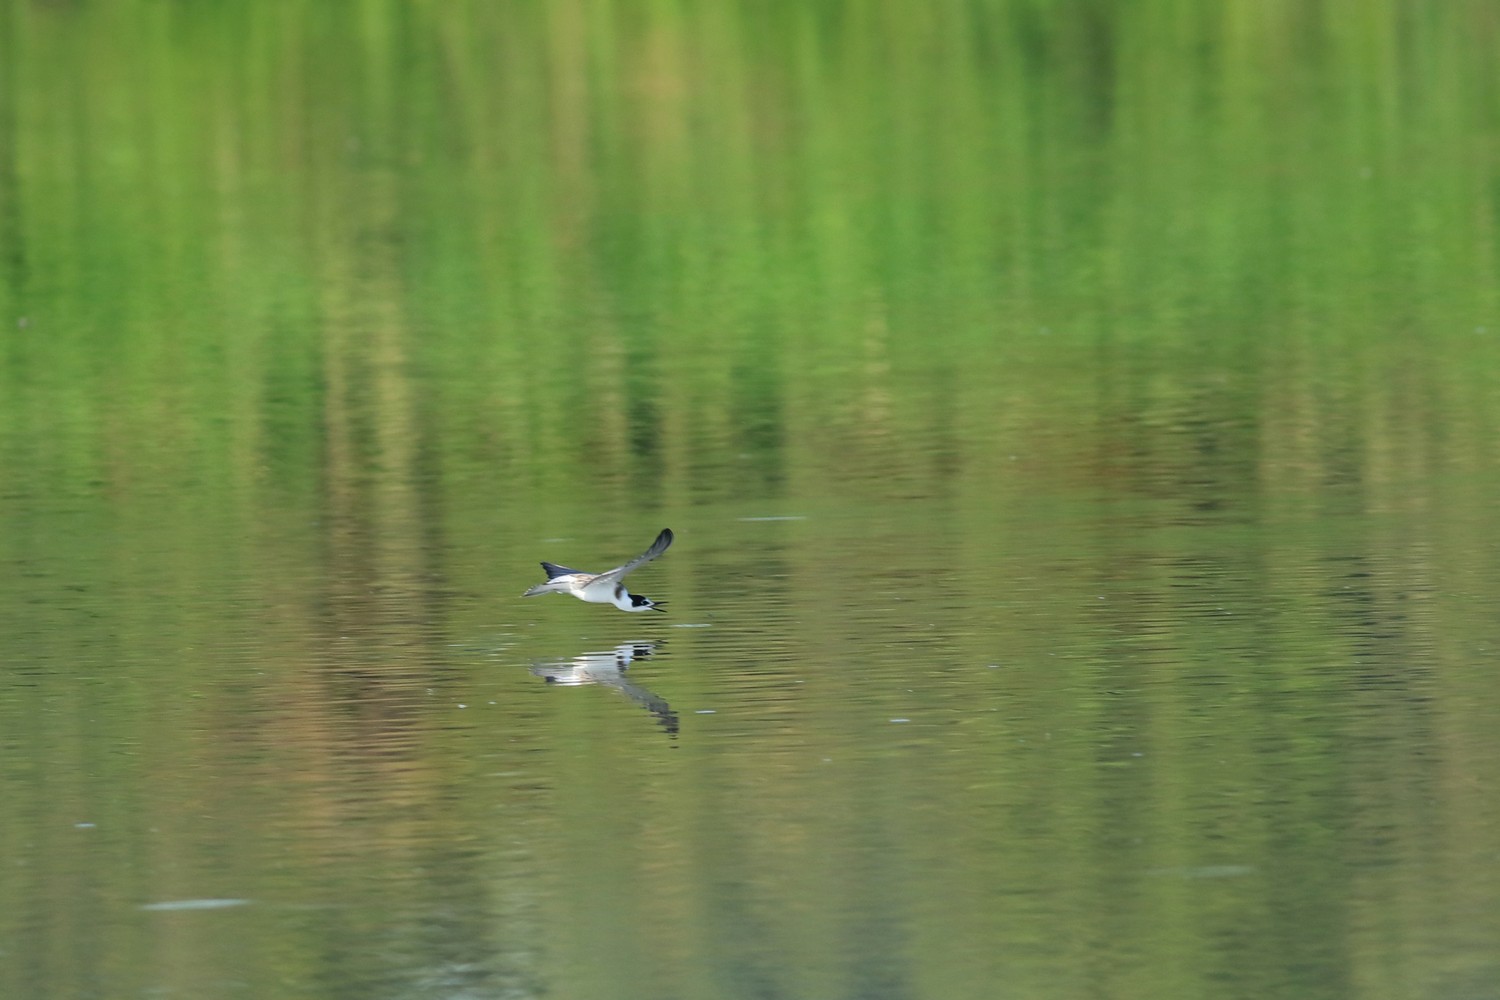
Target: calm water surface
{"type": "Point", "coordinates": [1078, 426]}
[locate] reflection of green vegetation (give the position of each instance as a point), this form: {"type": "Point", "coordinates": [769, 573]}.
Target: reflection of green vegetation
{"type": "Point", "coordinates": [307, 305]}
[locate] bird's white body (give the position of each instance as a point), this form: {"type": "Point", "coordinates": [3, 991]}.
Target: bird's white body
{"type": "Point", "coordinates": [590, 588]}
{"type": "Point", "coordinates": [603, 588]}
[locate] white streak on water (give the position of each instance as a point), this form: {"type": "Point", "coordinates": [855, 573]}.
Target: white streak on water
{"type": "Point", "coordinates": [196, 904]}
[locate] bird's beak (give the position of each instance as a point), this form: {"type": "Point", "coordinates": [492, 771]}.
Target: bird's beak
{"type": "Point", "coordinates": [657, 606]}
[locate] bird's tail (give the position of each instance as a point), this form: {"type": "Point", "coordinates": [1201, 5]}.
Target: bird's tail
{"type": "Point", "coordinates": [545, 588]}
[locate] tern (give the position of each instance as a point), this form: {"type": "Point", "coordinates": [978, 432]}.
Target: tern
{"type": "Point", "coordinates": [604, 588]}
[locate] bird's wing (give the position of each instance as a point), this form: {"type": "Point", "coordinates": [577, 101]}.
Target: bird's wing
{"type": "Point", "coordinates": [659, 546]}
{"type": "Point", "coordinates": [553, 571]}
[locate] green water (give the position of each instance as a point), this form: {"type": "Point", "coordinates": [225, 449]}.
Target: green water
{"type": "Point", "coordinates": [1078, 421]}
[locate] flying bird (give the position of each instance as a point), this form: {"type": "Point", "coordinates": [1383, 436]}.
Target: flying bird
{"type": "Point", "coordinates": [604, 588]}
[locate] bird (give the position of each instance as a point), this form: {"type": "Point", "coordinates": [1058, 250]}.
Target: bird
{"type": "Point", "coordinates": [604, 588]}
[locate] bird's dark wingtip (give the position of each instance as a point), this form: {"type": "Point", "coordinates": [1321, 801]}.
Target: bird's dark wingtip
{"type": "Point", "coordinates": [553, 570]}
{"type": "Point", "coordinates": [662, 543]}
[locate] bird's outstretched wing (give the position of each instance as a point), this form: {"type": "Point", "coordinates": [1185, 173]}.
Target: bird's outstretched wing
{"type": "Point", "coordinates": [659, 546]}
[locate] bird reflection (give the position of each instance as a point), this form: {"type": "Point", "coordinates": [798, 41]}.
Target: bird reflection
{"type": "Point", "coordinates": [608, 669]}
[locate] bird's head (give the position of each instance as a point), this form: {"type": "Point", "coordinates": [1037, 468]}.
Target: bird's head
{"type": "Point", "coordinates": [639, 603]}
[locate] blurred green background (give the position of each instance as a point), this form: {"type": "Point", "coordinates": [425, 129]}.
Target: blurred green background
{"type": "Point", "coordinates": [1127, 376]}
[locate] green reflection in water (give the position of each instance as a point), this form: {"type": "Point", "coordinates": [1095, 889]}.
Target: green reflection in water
{"type": "Point", "coordinates": [1131, 372]}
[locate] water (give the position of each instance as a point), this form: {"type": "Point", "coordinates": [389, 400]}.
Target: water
{"type": "Point", "coordinates": [1078, 426]}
